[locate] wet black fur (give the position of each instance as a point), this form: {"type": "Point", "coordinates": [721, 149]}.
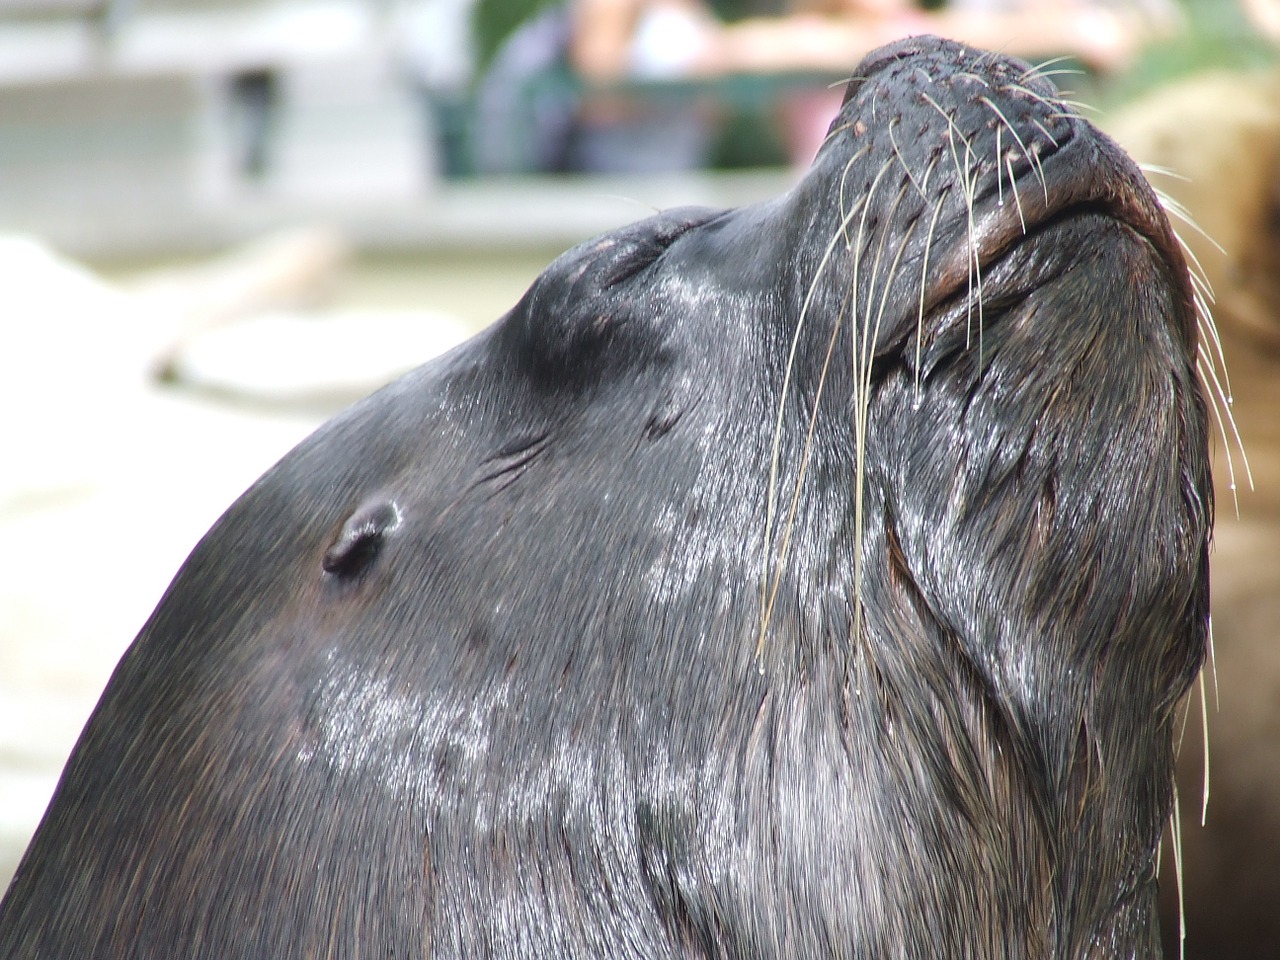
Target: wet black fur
{"type": "Point", "coordinates": [473, 671]}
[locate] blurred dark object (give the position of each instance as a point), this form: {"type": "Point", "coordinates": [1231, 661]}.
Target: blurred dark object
{"type": "Point", "coordinates": [253, 101]}
{"type": "Point", "coordinates": [494, 21]}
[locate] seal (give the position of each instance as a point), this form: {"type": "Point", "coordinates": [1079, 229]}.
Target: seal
{"type": "Point", "coordinates": [819, 578]}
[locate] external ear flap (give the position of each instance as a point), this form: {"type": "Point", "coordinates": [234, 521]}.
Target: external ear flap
{"type": "Point", "coordinates": [362, 536]}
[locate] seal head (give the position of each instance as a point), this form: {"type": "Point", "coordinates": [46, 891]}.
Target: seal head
{"type": "Point", "coordinates": [815, 579]}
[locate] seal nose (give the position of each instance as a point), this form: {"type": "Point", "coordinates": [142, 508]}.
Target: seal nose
{"type": "Point", "coordinates": [891, 53]}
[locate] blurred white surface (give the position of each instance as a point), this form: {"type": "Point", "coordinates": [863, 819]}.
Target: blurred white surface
{"type": "Point", "coordinates": [109, 479]}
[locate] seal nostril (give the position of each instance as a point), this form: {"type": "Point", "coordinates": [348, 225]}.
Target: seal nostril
{"type": "Point", "coordinates": [361, 538]}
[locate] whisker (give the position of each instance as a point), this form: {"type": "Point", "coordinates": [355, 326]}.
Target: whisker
{"type": "Point", "coordinates": [1176, 209]}
{"type": "Point", "coordinates": [1065, 72]}
{"type": "Point", "coordinates": [1044, 184]}
{"type": "Point", "coordinates": [1163, 171]}
{"type": "Point", "coordinates": [767, 596]}
{"type": "Point", "coordinates": [1209, 376]}
{"type": "Point", "coordinates": [1176, 832]}
{"type": "Point", "coordinates": [924, 273]}
{"type": "Point", "coordinates": [1045, 130]}
{"type": "Point", "coordinates": [844, 183]}
{"type": "Point", "coordinates": [1051, 102]}
{"type": "Point", "coordinates": [968, 183]}
{"type": "Point", "coordinates": [1210, 357]}
{"type": "Point", "coordinates": [771, 498]}
{"type": "Point", "coordinates": [1025, 152]}
{"type": "Point", "coordinates": [1209, 331]}
{"type": "Point", "coordinates": [805, 456]}
{"type": "Point", "coordinates": [1202, 294]}
{"type": "Point", "coordinates": [952, 129]}
{"type": "Point", "coordinates": [1038, 69]}
{"type": "Point", "coordinates": [862, 392]}
{"type": "Point", "coordinates": [804, 465]}
{"type": "Point", "coordinates": [1217, 703]}
{"type": "Point", "coordinates": [1079, 105]}
{"type": "Point", "coordinates": [870, 341]}
{"type": "Point", "coordinates": [903, 161]}
{"type": "Point", "coordinates": [1000, 170]}
{"type": "Point", "coordinates": [1184, 711]}
{"type": "Point", "coordinates": [862, 404]}
{"type": "Point", "coordinates": [928, 171]}
{"type": "Point", "coordinates": [967, 178]}
{"type": "Point", "coordinates": [836, 131]}
{"type": "Point", "coordinates": [1016, 199]}
{"type": "Point", "coordinates": [1204, 714]}
{"type": "Point", "coordinates": [974, 77]}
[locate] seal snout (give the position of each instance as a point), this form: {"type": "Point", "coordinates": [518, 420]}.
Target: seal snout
{"type": "Point", "coordinates": [943, 158]}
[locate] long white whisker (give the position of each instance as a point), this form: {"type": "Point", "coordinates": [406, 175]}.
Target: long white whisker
{"type": "Point", "coordinates": [771, 500]}
{"type": "Point", "coordinates": [1176, 827]}
{"type": "Point", "coordinates": [1045, 130]}
{"type": "Point", "coordinates": [902, 160]}
{"type": "Point", "coordinates": [1016, 199]}
{"type": "Point", "coordinates": [1204, 715]}
{"type": "Point", "coordinates": [924, 273]}
{"type": "Point", "coordinates": [1025, 152]}
{"type": "Point", "coordinates": [966, 177]}
{"type": "Point", "coordinates": [1038, 69]}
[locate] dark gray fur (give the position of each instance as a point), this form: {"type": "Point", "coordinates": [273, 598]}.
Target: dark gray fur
{"type": "Point", "coordinates": [473, 671]}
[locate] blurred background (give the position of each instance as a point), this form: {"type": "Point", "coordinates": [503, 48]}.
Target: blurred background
{"type": "Point", "coordinates": [223, 220]}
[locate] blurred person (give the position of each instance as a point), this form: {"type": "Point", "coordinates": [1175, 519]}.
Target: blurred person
{"type": "Point", "coordinates": [1104, 36]}
{"type": "Point", "coordinates": [611, 45]}
{"type": "Point", "coordinates": [806, 115]}
{"type": "Point", "coordinates": [561, 91]}
{"type": "Point", "coordinates": [615, 42]}
{"type": "Point", "coordinates": [666, 39]}
{"type": "Point", "coordinates": [526, 101]}
{"type": "Point", "coordinates": [432, 39]}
